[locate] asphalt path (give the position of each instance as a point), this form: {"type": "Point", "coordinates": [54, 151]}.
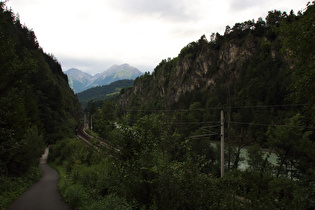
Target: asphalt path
{"type": "Point", "coordinates": [44, 194]}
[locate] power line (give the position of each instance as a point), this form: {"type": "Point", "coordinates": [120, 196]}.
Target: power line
{"type": "Point", "coordinates": [216, 108]}
{"type": "Point", "coordinates": [267, 106]}
{"type": "Point", "coordinates": [276, 125]}
{"type": "Point", "coordinates": [191, 123]}
{"type": "Point", "coordinates": [224, 108]}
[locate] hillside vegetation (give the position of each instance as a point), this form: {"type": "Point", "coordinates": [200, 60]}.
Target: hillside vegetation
{"type": "Point", "coordinates": [37, 107]}
{"type": "Point", "coordinates": [103, 92]}
{"type": "Point", "coordinates": [256, 72]}
{"type": "Point", "coordinates": [167, 126]}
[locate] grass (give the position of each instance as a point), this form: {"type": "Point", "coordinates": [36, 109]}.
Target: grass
{"type": "Point", "coordinates": [92, 133]}
{"type": "Point", "coordinates": [63, 177]}
{"type": "Point", "coordinates": [81, 185]}
{"type": "Point", "coordinates": [12, 187]}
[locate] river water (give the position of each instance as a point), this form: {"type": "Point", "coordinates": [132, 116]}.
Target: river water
{"type": "Point", "coordinates": [242, 165]}
{"type": "Point", "coordinates": [244, 155]}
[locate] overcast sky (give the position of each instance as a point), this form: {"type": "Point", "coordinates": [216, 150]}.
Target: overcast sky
{"type": "Point", "coordinates": [93, 35]}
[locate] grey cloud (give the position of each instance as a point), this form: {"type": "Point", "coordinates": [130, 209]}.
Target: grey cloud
{"type": "Point", "coordinates": [239, 5]}
{"type": "Point", "coordinates": [243, 4]}
{"type": "Point", "coordinates": [171, 10]}
{"type": "Point", "coordinates": [97, 66]}
{"type": "Point", "coordinates": [90, 66]}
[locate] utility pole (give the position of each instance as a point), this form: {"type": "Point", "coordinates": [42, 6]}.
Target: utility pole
{"type": "Point", "coordinates": [222, 143]}
{"type": "Point", "coordinates": [84, 122]}
{"type": "Point", "coordinates": [91, 123]}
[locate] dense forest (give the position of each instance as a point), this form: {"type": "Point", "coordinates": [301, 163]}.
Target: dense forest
{"type": "Point", "coordinates": [162, 135]}
{"type": "Point", "coordinates": [37, 107]}
{"type": "Point", "coordinates": [96, 95]}
{"type": "Point", "coordinates": [166, 128]}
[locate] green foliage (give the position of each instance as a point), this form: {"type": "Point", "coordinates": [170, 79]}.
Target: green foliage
{"type": "Point", "coordinates": [111, 201]}
{"type": "Point", "coordinates": [102, 119]}
{"type": "Point", "coordinates": [298, 47]}
{"type": "Point", "coordinates": [146, 173]}
{"type": "Point", "coordinates": [244, 68]}
{"type": "Point", "coordinates": [292, 146]}
{"type": "Point", "coordinates": [158, 166]}
{"type": "Point", "coordinates": [253, 92]}
{"type": "Point", "coordinates": [103, 92]}
{"type": "Point", "coordinates": [76, 196]}
{"type": "Point", "coordinates": [256, 160]}
{"type": "Point", "coordinates": [37, 105]}
{"type": "Point", "coordinates": [27, 152]}
{"type": "Point", "coordinates": [260, 191]}
{"type": "Point", "coordinates": [12, 187]}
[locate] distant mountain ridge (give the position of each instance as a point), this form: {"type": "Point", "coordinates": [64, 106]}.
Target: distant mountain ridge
{"type": "Point", "coordinates": [80, 81]}
{"type": "Point", "coordinates": [103, 92]}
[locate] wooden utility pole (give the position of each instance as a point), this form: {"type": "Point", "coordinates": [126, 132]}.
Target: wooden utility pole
{"type": "Point", "coordinates": [222, 143]}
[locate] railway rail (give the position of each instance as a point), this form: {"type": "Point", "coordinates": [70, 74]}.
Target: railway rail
{"type": "Point", "coordinates": [95, 142]}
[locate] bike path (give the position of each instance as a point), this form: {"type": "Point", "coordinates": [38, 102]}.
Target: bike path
{"type": "Point", "coordinates": [44, 194]}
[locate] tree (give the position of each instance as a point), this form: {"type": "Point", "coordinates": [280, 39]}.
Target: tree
{"type": "Point", "coordinates": [298, 48]}
{"type": "Point", "coordinates": [108, 111]}
{"type": "Point", "coordinates": [35, 99]}
{"type": "Point", "coordinates": [292, 146]}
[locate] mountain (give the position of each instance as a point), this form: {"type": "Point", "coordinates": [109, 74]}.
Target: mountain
{"type": "Point", "coordinates": [103, 92]}
{"type": "Point", "coordinates": [115, 73]}
{"type": "Point", "coordinates": [80, 81]}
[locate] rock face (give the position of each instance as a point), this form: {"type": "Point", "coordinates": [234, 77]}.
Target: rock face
{"type": "Point", "coordinates": [199, 67]}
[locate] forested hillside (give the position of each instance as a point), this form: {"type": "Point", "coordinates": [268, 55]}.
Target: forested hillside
{"type": "Point", "coordinates": [37, 107]}
{"type": "Point", "coordinates": [257, 72]}
{"type": "Point", "coordinates": [166, 129]}
{"type": "Point", "coordinates": [249, 64]}
{"type": "Point", "coordinates": [103, 92]}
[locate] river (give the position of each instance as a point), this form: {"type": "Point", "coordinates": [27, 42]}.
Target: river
{"type": "Point", "coordinates": [242, 165]}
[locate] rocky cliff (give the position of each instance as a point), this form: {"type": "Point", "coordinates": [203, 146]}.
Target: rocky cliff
{"type": "Point", "coordinates": [202, 67]}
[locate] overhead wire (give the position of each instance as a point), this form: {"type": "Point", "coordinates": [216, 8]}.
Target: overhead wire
{"type": "Point", "coordinates": [223, 108]}
{"type": "Point", "coordinates": [217, 108]}
{"type": "Point", "coordinates": [275, 125]}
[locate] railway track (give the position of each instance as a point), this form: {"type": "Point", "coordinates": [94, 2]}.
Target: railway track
{"type": "Point", "coordinates": [95, 142]}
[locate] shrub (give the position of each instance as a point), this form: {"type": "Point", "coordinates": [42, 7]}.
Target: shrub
{"type": "Point", "coordinates": [77, 196]}
{"type": "Point", "coordinates": [111, 201]}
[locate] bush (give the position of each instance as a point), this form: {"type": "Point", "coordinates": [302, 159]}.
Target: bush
{"type": "Point", "coordinates": [111, 201]}
{"type": "Point", "coordinates": [12, 187]}
{"type": "Point", "coordinates": [77, 196]}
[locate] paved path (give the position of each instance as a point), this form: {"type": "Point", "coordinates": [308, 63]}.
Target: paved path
{"type": "Point", "coordinates": [44, 194]}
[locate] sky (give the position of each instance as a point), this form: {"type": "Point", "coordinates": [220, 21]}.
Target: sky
{"type": "Point", "coordinates": [93, 35]}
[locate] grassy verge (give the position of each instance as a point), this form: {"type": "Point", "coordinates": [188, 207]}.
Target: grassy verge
{"type": "Point", "coordinates": [92, 133]}
{"type": "Point", "coordinates": [83, 177]}
{"type": "Point", "coordinates": [12, 187]}
{"type": "Point", "coordinates": [63, 177]}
